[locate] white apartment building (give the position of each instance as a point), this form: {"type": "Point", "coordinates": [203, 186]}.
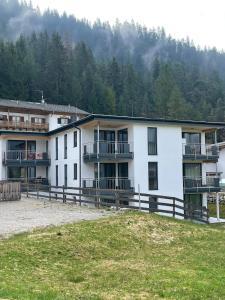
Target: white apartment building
{"type": "Point", "coordinates": [156, 156]}
{"type": "Point", "coordinates": [63, 145]}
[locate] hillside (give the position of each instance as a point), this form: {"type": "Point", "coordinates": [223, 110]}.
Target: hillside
{"type": "Point", "coordinates": [130, 256]}
{"type": "Point", "coordinates": [123, 69]}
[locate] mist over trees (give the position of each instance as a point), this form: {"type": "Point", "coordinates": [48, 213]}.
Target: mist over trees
{"type": "Point", "coordinates": [124, 69]}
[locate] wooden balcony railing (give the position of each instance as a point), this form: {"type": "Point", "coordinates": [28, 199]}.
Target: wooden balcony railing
{"type": "Point", "coordinates": [27, 125]}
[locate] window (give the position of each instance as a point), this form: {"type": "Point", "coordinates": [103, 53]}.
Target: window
{"type": "Point", "coordinates": [37, 120]}
{"type": "Point", "coordinates": [56, 175]}
{"type": "Point", "coordinates": [75, 171]}
{"type": "Point", "coordinates": [65, 175]}
{"type": "Point", "coordinates": [56, 148]}
{"type": "Point", "coordinates": [63, 121]}
{"type": "Point", "coordinates": [192, 137]}
{"type": "Point", "coordinates": [153, 176]}
{"type": "Point", "coordinates": [152, 141]}
{"type": "Point", "coordinates": [75, 139]}
{"type": "Point", "coordinates": [16, 119]}
{"type": "Point", "coordinates": [192, 170]}
{"type": "Point", "coordinates": [65, 146]}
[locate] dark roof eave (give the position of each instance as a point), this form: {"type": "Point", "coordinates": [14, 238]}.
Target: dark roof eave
{"type": "Point", "coordinates": [92, 117]}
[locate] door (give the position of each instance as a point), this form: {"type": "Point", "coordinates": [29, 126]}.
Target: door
{"type": "Point", "coordinates": [192, 175]}
{"type": "Point", "coordinates": [107, 175]}
{"type": "Point", "coordinates": [123, 181]}
{"type": "Point", "coordinates": [122, 138]}
{"type": "Point", "coordinates": [31, 150]}
{"type": "Point", "coordinates": [106, 141]}
{"type": "Point", "coordinates": [193, 143]}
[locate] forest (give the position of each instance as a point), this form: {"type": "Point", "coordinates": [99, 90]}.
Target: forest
{"type": "Point", "coordinates": [124, 69]}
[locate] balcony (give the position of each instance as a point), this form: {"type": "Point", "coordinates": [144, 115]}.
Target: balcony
{"type": "Point", "coordinates": [101, 151]}
{"type": "Point", "coordinates": [25, 158]}
{"type": "Point", "coordinates": [110, 183]}
{"type": "Point", "coordinates": [200, 152]}
{"type": "Point", "coordinates": [27, 126]}
{"type": "Point", "coordinates": [201, 184]}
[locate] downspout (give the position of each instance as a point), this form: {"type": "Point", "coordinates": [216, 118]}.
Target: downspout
{"type": "Point", "coordinates": [79, 161]}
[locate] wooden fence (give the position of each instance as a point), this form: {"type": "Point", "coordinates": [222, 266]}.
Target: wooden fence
{"type": "Point", "coordinates": [10, 191]}
{"type": "Point", "coordinates": [169, 206]}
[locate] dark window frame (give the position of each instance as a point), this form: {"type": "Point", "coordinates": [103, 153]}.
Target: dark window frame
{"type": "Point", "coordinates": [155, 152]}
{"type": "Point", "coordinates": [65, 146]}
{"type": "Point", "coordinates": [75, 171]}
{"type": "Point", "coordinates": [57, 175]}
{"type": "Point", "coordinates": [156, 186]}
{"type": "Point", "coordinates": [65, 175]}
{"type": "Point", "coordinates": [57, 148]}
{"type": "Point", "coordinates": [75, 139]}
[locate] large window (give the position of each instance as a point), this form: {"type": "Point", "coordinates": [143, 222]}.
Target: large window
{"type": "Point", "coordinates": [192, 137]}
{"type": "Point", "coordinates": [65, 175]}
{"type": "Point", "coordinates": [152, 141]}
{"type": "Point", "coordinates": [75, 139]}
{"type": "Point", "coordinates": [56, 148]}
{"type": "Point", "coordinates": [75, 171]}
{"type": "Point", "coordinates": [153, 176]}
{"type": "Point", "coordinates": [65, 146]}
{"type": "Point", "coordinates": [192, 170]}
{"type": "Point", "coordinates": [56, 175]}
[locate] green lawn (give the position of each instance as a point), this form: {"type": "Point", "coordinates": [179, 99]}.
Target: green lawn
{"type": "Point", "coordinates": [212, 210]}
{"type": "Point", "coordinates": [130, 256]}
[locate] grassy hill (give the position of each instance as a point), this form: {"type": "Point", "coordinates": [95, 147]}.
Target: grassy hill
{"type": "Point", "coordinates": [129, 256]}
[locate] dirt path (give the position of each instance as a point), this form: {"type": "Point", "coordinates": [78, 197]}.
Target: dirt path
{"type": "Point", "coordinates": [27, 214]}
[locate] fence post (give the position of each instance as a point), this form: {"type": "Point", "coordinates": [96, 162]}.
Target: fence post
{"type": "Point", "coordinates": [64, 200]}
{"type": "Point", "coordinates": [27, 188]}
{"type": "Point", "coordinates": [37, 190]}
{"type": "Point", "coordinates": [117, 201]}
{"type": "Point", "coordinates": [174, 211]}
{"type": "Point", "coordinates": [139, 196]}
{"type": "Point", "coordinates": [50, 194]}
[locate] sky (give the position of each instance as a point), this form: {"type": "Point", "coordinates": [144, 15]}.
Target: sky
{"type": "Point", "coordinates": [203, 21]}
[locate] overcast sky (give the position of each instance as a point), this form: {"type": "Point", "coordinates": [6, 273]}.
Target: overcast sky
{"type": "Point", "coordinates": [202, 20]}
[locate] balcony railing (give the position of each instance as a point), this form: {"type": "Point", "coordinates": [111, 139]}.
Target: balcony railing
{"type": "Point", "coordinates": [201, 184]}
{"type": "Point", "coordinates": [107, 150]}
{"type": "Point", "coordinates": [109, 183]}
{"type": "Point", "coordinates": [200, 152]}
{"type": "Point", "coordinates": [25, 157]}
{"type": "Point", "coordinates": [27, 125]}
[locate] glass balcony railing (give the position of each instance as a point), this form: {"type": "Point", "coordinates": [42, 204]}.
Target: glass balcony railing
{"type": "Point", "coordinates": [109, 183]}
{"type": "Point", "coordinates": [108, 150]}
{"type": "Point", "coordinates": [200, 152]}
{"type": "Point", "coordinates": [201, 184]}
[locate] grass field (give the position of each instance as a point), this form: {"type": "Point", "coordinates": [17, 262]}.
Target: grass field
{"type": "Point", "coordinates": [129, 256]}
{"type": "Point", "coordinates": [212, 210]}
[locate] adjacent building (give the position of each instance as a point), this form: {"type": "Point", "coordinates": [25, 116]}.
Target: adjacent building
{"type": "Point", "coordinates": [24, 137]}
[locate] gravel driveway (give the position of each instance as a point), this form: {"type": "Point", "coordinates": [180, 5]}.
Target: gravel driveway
{"type": "Point", "coordinates": [29, 213]}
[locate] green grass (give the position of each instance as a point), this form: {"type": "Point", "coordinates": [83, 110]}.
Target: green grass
{"type": "Point", "coordinates": [212, 210]}
{"type": "Point", "coordinates": [129, 256]}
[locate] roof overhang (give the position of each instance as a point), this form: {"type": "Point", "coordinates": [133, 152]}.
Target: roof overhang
{"type": "Point", "coordinates": [117, 121]}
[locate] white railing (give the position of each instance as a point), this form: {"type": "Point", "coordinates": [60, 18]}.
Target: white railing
{"type": "Point", "coordinates": [196, 150]}
{"type": "Point", "coordinates": [199, 182]}
{"type": "Point", "coordinates": [108, 148]}
{"type": "Point", "coordinates": [25, 155]}
{"type": "Point", "coordinates": [112, 183]}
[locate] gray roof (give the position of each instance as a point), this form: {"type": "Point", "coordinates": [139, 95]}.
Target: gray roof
{"type": "Point", "coordinates": [55, 108]}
